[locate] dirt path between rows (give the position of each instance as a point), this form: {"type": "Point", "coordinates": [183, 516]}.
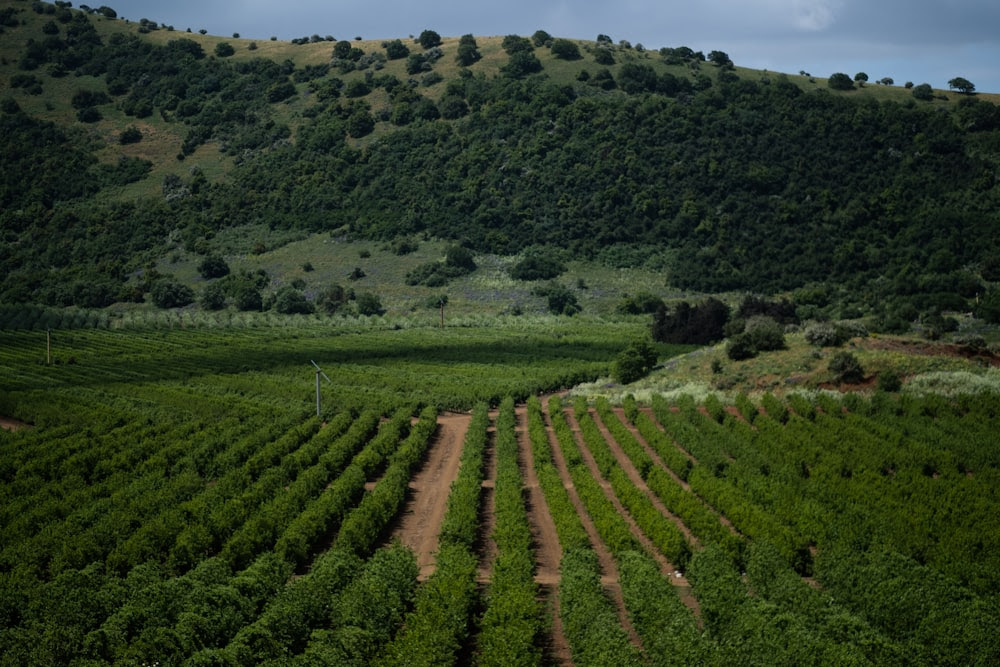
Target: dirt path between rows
{"type": "Point", "coordinates": [420, 523]}
{"type": "Point", "coordinates": [8, 424]}
{"type": "Point", "coordinates": [488, 504]}
{"type": "Point", "coordinates": [548, 551]}
{"type": "Point", "coordinates": [609, 578]}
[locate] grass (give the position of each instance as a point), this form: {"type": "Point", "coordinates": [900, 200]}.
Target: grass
{"type": "Point", "coordinates": [804, 367]}
{"type": "Point", "coordinates": [488, 291]}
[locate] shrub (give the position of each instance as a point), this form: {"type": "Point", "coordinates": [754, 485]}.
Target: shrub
{"type": "Point", "coordinates": [740, 347]}
{"type": "Point", "coordinates": [541, 38]}
{"type": "Point", "coordinates": [846, 368]}
{"type": "Point", "coordinates": [171, 294]}
{"type": "Point", "coordinates": [765, 333]}
{"type": "Point", "coordinates": [825, 334]}
{"type": "Point", "coordinates": [213, 266]}
{"type": "Point", "coordinates": [565, 49]}
{"type": "Point", "coordinates": [130, 135]}
{"type": "Point", "coordinates": [429, 39]}
{"type": "Point", "coordinates": [634, 362]}
{"type": "Point", "coordinates": [290, 301]}
{"type": "Point", "coordinates": [369, 304]}
{"type": "Point", "coordinates": [840, 81]}
{"type": "Point", "coordinates": [396, 50]}
{"type": "Point", "coordinates": [561, 301]}
{"type": "Point", "coordinates": [248, 298]}
{"type": "Point", "coordinates": [213, 297]}
{"type": "Point", "coordinates": [333, 298]}
{"type": "Point", "coordinates": [538, 265]}
{"type": "Point", "coordinates": [889, 381]}
{"type": "Point", "coordinates": [224, 49]}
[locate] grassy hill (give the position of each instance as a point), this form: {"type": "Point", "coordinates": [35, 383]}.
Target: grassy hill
{"type": "Point", "coordinates": [657, 170]}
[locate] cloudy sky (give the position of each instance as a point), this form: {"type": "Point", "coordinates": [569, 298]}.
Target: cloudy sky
{"type": "Point", "coordinates": [922, 41]}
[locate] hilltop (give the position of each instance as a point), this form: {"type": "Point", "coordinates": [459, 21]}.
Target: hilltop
{"type": "Point", "coordinates": [137, 151]}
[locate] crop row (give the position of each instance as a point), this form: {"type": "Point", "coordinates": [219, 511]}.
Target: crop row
{"type": "Point", "coordinates": [511, 627]}
{"type": "Point", "coordinates": [436, 628]}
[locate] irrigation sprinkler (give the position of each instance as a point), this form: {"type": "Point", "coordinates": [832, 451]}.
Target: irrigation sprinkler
{"type": "Point", "coordinates": [319, 371]}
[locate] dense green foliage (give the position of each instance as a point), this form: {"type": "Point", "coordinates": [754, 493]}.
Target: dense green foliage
{"type": "Point", "coordinates": [723, 181]}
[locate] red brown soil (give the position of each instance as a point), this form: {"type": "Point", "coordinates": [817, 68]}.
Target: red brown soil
{"type": "Point", "coordinates": [420, 523]}
{"type": "Point", "coordinates": [548, 551]}
{"type": "Point", "coordinates": [609, 578]}
{"type": "Point", "coordinates": [9, 424]}
{"type": "Point", "coordinates": [930, 348]}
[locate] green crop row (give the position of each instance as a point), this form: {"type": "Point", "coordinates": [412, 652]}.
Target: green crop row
{"type": "Point", "coordinates": [511, 627]}
{"type": "Point", "coordinates": [461, 520]}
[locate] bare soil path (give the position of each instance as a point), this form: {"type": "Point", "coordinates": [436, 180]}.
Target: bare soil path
{"type": "Point", "coordinates": [420, 523]}
{"type": "Point", "coordinates": [9, 424]}
{"type": "Point", "coordinates": [609, 578]}
{"type": "Point", "coordinates": [548, 551]}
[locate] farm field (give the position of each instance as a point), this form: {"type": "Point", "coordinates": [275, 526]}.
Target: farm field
{"type": "Point", "coordinates": [174, 498]}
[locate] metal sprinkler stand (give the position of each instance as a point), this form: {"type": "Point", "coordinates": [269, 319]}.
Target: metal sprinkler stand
{"type": "Point", "coordinates": [319, 371]}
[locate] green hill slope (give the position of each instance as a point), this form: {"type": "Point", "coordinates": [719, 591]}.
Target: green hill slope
{"type": "Point", "coordinates": [129, 142]}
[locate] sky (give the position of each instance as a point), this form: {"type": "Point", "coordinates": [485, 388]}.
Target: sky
{"type": "Point", "coordinates": [923, 41]}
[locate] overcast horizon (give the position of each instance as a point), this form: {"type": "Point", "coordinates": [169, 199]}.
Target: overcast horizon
{"type": "Point", "coordinates": [924, 41]}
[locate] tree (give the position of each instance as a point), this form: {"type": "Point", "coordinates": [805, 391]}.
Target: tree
{"type": "Point", "coordinates": [840, 81]}
{"type": "Point", "coordinates": [565, 49]}
{"type": "Point", "coordinates": [720, 58]}
{"type": "Point", "coordinates": [522, 63]}
{"type": "Point", "coordinates": [213, 297]}
{"type": "Point", "coordinates": [963, 86]}
{"type": "Point", "coordinates": [468, 51]}
{"type": "Point", "coordinates": [460, 258]}
{"type": "Point", "coordinates": [541, 38]}
{"type": "Point", "coordinates": [342, 49]}
{"type": "Point", "coordinates": [886, 81]}
{"type": "Point", "coordinates": [923, 92]}
{"type": "Point", "coordinates": [861, 78]}
{"type": "Point", "coordinates": [171, 294]}
{"type": "Point", "coordinates": [290, 301]}
{"type": "Point", "coordinates": [634, 362]}
{"type": "Point", "coordinates": [332, 299]}
{"type": "Point", "coordinates": [515, 43]}
{"type": "Point", "coordinates": [428, 39]}
{"type": "Point", "coordinates": [988, 308]}
{"type": "Point", "coordinates": [396, 50]}
{"type": "Point", "coordinates": [248, 298]}
{"type": "Point", "coordinates": [561, 300]}
{"type": "Point", "coordinates": [360, 123]}
{"type": "Point", "coordinates": [213, 266]}
{"type": "Point", "coordinates": [603, 56]}
{"type": "Point", "coordinates": [537, 265]}
{"type": "Point", "coordinates": [130, 135]}
{"type": "Point", "coordinates": [369, 304]}
{"type": "Point", "coordinates": [224, 49]}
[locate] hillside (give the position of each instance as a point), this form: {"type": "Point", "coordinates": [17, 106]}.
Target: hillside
{"type": "Point", "coordinates": [131, 145]}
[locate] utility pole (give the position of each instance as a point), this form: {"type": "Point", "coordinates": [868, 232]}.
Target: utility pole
{"type": "Point", "coordinates": [319, 371]}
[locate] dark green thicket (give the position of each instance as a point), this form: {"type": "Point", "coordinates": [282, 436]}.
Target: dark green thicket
{"type": "Point", "coordinates": [731, 184]}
